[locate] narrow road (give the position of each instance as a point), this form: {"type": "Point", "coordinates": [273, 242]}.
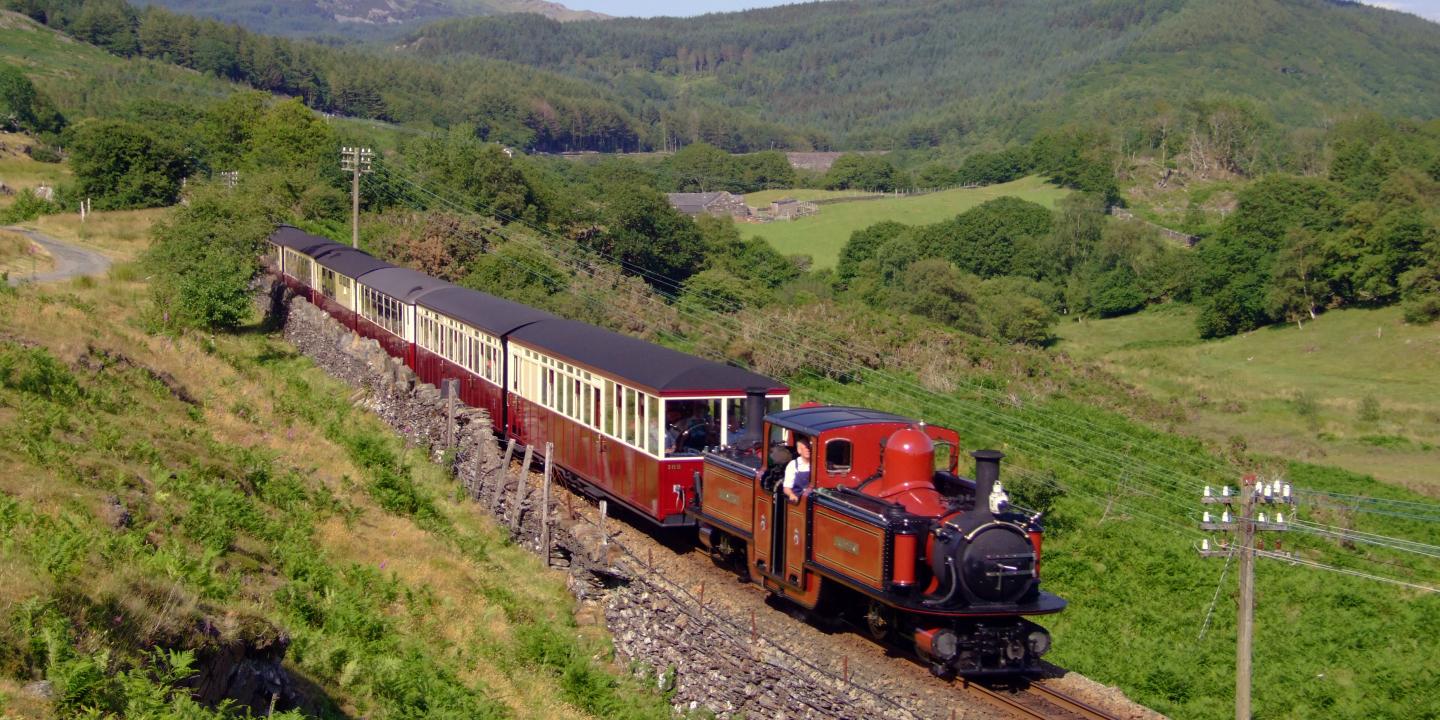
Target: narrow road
{"type": "Point", "coordinates": [70, 261]}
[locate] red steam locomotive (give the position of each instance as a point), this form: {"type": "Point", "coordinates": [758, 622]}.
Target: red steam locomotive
{"type": "Point", "coordinates": [887, 533]}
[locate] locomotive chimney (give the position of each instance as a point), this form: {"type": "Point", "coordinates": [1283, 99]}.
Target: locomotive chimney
{"type": "Point", "coordinates": [754, 418]}
{"type": "Point", "coordinates": [987, 472]}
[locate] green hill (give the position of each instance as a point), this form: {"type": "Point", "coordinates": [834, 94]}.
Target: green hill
{"type": "Point", "coordinates": [918, 72]}
{"type": "Point", "coordinates": [358, 19]}
{"type": "Point", "coordinates": [85, 80]}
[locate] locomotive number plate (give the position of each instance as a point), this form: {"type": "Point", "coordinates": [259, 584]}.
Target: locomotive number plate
{"type": "Point", "coordinates": [847, 545]}
{"type": "Point", "coordinates": [728, 496]}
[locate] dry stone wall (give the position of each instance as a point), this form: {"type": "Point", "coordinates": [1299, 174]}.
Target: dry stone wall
{"type": "Point", "coordinates": [705, 663]}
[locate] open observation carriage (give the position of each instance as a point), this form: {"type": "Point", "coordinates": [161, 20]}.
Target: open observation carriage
{"type": "Point", "coordinates": [888, 531]}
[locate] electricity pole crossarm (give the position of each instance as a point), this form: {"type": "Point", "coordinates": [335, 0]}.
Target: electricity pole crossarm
{"type": "Point", "coordinates": [356, 161]}
{"type": "Point", "coordinates": [1277, 498]}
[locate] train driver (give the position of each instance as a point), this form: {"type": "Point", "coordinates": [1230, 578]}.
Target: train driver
{"type": "Point", "coordinates": [797, 473]}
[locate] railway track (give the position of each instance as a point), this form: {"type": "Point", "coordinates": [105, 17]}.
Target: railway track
{"type": "Point", "coordinates": [1034, 700]}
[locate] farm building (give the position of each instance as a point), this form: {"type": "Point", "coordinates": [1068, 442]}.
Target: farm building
{"type": "Point", "coordinates": [719, 204]}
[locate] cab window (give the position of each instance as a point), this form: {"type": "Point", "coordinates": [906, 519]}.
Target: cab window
{"type": "Point", "coordinates": [837, 456]}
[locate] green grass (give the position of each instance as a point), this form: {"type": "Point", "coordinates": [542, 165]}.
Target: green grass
{"type": "Point", "coordinates": [765, 197]}
{"type": "Point", "coordinates": [267, 504]}
{"type": "Point", "coordinates": [822, 236]}
{"type": "Point", "coordinates": [1315, 393]}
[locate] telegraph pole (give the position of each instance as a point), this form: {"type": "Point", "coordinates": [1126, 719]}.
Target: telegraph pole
{"type": "Point", "coordinates": [1244, 527]}
{"type": "Point", "coordinates": [1245, 623]}
{"type": "Point", "coordinates": [356, 161]}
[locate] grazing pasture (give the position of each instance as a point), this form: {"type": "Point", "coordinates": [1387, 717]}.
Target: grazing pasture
{"type": "Point", "coordinates": [1354, 388]}
{"type": "Point", "coordinates": [822, 236]}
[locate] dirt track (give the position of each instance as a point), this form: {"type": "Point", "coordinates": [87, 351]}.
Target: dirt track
{"type": "Point", "coordinates": [70, 261]}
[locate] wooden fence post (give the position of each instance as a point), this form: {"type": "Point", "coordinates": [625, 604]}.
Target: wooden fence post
{"type": "Point", "coordinates": [604, 538]}
{"type": "Point", "coordinates": [452, 388]}
{"type": "Point", "coordinates": [504, 475]}
{"type": "Point", "coordinates": [520, 487]}
{"type": "Point", "coordinates": [545, 508]}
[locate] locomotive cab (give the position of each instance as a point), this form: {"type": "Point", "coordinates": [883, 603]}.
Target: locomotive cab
{"type": "Point", "coordinates": [888, 531]}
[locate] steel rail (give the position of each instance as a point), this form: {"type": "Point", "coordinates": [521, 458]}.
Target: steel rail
{"type": "Point", "coordinates": [1070, 702]}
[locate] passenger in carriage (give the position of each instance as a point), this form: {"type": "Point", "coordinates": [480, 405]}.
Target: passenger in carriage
{"type": "Point", "coordinates": [689, 427]}
{"type": "Point", "coordinates": [797, 472]}
{"type": "Point", "coordinates": [672, 428]}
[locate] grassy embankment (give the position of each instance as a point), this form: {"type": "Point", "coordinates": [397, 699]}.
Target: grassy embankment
{"type": "Point", "coordinates": [19, 256]}
{"type": "Point", "coordinates": [1355, 388]}
{"type": "Point", "coordinates": [259, 499]}
{"type": "Point", "coordinates": [822, 236]}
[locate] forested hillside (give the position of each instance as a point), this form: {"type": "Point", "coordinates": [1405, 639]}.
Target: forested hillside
{"type": "Point", "coordinates": [922, 72]}
{"type": "Point", "coordinates": [358, 19]}
{"type": "Point", "coordinates": [519, 105]}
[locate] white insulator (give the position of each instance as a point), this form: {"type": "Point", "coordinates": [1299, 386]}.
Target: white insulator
{"type": "Point", "coordinates": [1225, 516]}
{"type": "Point", "coordinates": [1205, 542]}
{"type": "Point", "coordinates": [1206, 517]}
{"type": "Point", "coordinates": [1207, 491]}
{"type": "Point", "coordinates": [1280, 518]}
{"type": "Point", "coordinates": [1286, 490]}
{"type": "Point", "coordinates": [1225, 491]}
{"type": "Point", "coordinates": [1261, 519]}
{"type": "Point", "coordinates": [1268, 489]}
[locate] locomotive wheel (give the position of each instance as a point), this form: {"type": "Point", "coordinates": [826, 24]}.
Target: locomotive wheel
{"type": "Point", "coordinates": [879, 620]}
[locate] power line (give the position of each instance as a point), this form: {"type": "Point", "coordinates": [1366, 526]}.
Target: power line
{"type": "Point", "coordinates": [1344, 571]}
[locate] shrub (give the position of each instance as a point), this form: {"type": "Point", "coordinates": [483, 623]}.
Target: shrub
{"type": "Point", "coordinates": [37, 372]}
{"type": "Point", "coordinates": [1423, 309]}
{"type": "Point", "coordinates": [27, 206]}
{"type": "Point", "coordinates": [204, 256]}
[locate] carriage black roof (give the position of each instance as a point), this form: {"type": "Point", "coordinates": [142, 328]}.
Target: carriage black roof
{"type": "Point", "coordinates": [403, 284]}
{"type": "Point", "coordinates": [494, 315]}
{"type": "Point", "coordinates": [350, 262]}
{"type": "Point", "coordinates": [818, 419]}
{"type": "Point", "coordinates": [637, 361]}
{"type": "Point", "coordinates": [301, 241]}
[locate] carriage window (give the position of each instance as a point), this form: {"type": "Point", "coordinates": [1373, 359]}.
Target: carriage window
{"type": "Point", "coordinates": [837, 456]}
{"type": "Point", "coordinates": [631, 412]}
{"type": "Point", "coordinates": [652, 424]}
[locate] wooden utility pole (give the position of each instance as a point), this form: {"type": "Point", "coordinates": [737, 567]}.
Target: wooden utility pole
{"type": "Point", "coordinates": [1245, 625]}
{"type": "Point", "coordinates": [356, 161]}
{"type": "Point", "coordinates": [1244, 527]}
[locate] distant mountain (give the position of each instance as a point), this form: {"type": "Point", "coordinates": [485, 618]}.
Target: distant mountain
{"type": "Point", "coordinates": [360, 19]}
{"type": "Point", "coordinates": [919, 72]}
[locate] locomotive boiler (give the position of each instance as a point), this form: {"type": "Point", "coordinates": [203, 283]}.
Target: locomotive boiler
{"type": "Point", "coordinates": [888, 533]}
